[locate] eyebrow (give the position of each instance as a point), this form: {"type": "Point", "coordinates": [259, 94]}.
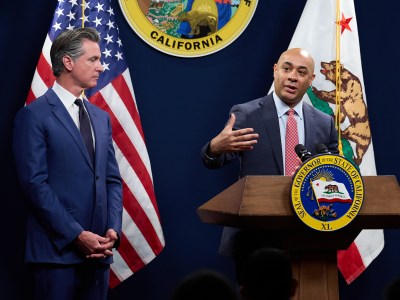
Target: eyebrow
{"type": "Point", "coordinates": [287, 62]}
{"type": "Point", "coordinates": [291, 64]}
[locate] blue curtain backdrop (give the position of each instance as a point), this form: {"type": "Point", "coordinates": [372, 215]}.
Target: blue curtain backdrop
{"type": "Point", "coordinates": [183, 103]}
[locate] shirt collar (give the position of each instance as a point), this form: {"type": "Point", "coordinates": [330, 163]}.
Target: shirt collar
{"type": "Point", "coordinates": [282, 107]}
{"type": "Point", "coordinates": [65, 96]}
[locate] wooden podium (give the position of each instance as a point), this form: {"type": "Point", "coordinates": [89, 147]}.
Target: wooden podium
{"type": "Point", "coordinates": [263, 202]}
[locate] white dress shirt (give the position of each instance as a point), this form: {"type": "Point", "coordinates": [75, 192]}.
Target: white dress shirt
{"type": "Point", "coordinates": [68, 100]}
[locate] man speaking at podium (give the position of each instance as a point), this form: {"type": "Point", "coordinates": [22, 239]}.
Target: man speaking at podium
{"type": "Point", "coordinates": [262, 134]}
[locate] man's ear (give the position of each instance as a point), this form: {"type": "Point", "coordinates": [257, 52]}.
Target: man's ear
{"type": "Point", "coordinates": [68, 62]}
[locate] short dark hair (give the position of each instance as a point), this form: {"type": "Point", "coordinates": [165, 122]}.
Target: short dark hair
{"type": "Point", "coordinates": [69, 43]}
{"type": "Point", "coordinates": [268, 275]}
{"type": "Point", "coordinates": [392, 290]}
{"type": "Point", "coordinates": [205, 284]}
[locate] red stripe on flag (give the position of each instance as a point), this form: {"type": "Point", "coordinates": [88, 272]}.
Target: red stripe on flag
{"type": "Point", "coordinates": [354, 265]}
{"type": "Point", "coordinates": [129, 254]}
{"type": "Point", "coordinates": [45, 72]}
{"type": "Point", "coordinates": [130, 257]}
{"type": "Point", "coordinates": [124, 93]}
{"type": "Point", "coordinates": [128, 149]}
{"type": "Point", "coordinates": [333, 200]}
{"type": "Point", "coordinates": [114, 281]}
{"type": "Point", "coordinates": [141, 220]}
{"type": "Point", "coordinates": [31, 96]}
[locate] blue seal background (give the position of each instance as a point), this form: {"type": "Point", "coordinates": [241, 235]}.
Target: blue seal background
{"type": "Point", "coordinates": [339, 175]}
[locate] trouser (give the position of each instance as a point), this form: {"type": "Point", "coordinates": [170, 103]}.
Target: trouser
{"type": "Point", "coordinates": [88, 281]}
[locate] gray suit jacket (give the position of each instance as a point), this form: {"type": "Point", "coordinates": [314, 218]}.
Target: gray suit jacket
{"type": "Point", "coordinates": [266, 156]}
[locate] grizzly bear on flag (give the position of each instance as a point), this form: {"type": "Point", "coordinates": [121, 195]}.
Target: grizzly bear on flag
{"type": "Point", "coordinates": [352, 107]}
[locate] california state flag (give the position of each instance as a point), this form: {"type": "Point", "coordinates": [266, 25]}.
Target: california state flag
{"type": "Point", "coordinates": [330, 191]}
{"type": "Point", "coordinates": [328, 30]}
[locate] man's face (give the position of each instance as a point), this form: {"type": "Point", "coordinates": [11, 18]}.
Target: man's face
{"type": "Point", "coordinates": [87, 68]}
{"type": "Point", "coordinates": [293, 74]}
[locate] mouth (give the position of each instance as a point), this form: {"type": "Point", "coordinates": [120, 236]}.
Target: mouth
{"type": "Point", "coordinates": [323, 71]}
{"type": "Point", "coordinates": [290, 88]}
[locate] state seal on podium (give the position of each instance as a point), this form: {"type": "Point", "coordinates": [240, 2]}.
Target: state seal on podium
{"type": "Point", "coordinates": [327, 192]}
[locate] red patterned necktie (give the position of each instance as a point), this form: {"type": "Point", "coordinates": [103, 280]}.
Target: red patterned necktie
{"type": "Point", "coordinates": [292, 139]}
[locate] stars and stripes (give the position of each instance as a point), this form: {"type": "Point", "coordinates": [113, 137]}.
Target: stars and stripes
{"type": "Point", "coordinates": [142, 236]}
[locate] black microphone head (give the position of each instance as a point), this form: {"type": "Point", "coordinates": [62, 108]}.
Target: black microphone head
{"type": "Point", "coordinates": [321, 149]}
{"type": "Point", "coordinates": [299, 149]}
{"type": "Point", "coordinates": [302, 152]}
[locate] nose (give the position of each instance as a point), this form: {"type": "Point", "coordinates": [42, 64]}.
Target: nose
{"type": "Point", "coordinates": [100, 67]}
{"type": "Point", "coordinates": [293, 75]}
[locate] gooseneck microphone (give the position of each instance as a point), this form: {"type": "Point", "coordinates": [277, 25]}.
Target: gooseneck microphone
{"type": "Point", "coordinates": [302, 152]}
{"type": "Point", "coordinates": [321, 149]}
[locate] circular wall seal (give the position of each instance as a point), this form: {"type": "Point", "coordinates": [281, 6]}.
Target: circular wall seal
{"type": "Point", "coordinates": [188, 28]}
{"type": "Point", "coordinates": [327, 192]}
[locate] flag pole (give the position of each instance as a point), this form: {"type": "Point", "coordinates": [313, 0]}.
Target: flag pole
{"type": "Point", "coordinates": [83, 26]}
{"type": "Point", "coordinates": [338, 82]}
{"type": "Point", "coordinates": [83, 13]}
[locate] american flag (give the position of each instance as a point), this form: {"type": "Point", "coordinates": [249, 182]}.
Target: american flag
{"type": "Point", "coordinates": [142, 236]}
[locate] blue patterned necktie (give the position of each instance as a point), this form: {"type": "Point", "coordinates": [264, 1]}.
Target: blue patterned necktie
{"type": "Point", "coordinates": [85, 129]}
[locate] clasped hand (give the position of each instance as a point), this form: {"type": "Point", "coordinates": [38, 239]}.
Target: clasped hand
{"type": "Point", "coordinates": [95, 246]}
{"type": "Point", "coordinates": [229, 140]}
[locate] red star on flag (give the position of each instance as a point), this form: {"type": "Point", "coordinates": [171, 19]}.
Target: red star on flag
{"type": "Point", "coordinates": [345, 23]}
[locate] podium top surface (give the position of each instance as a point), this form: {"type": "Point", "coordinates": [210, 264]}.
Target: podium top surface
{"type": "Point", "coordinates": [263, 202]}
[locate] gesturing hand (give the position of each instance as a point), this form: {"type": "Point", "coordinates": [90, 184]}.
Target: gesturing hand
{"type": "Point", "coordinates": [229, 140]}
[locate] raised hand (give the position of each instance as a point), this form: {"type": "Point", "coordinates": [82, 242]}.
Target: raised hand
{"type": "Point", "coordinates": [229, 140]}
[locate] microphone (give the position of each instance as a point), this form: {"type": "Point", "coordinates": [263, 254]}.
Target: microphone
{"type": "Point", "coordinates": [321, 149]}
{"type": "Point", "coordinates": [302, 152]}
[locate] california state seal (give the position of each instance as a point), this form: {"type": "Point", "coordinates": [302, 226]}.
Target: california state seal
{"type": "Point", "coordinates": [188, 28]}
{"type": "Point", "coordinates": [327, 192]}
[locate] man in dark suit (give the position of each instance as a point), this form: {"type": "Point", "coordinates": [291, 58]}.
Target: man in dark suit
{"type": "Point", "coordinates": [256, 134]}
{"type": "Point", "coordinates": [71, 180]}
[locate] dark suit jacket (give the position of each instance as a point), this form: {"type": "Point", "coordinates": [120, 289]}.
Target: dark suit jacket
{"type": "Point", "coordinates": [66, 194]}
{"type": "Point", "coordinates": [266, 156]}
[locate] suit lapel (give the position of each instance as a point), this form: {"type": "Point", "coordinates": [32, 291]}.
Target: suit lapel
{"type": "Point", "coordinates": [270, 118]}
{"type": "Point", "coordinates": [309, 127]}
{"type": "Point", "coordinates": [64, 117]}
